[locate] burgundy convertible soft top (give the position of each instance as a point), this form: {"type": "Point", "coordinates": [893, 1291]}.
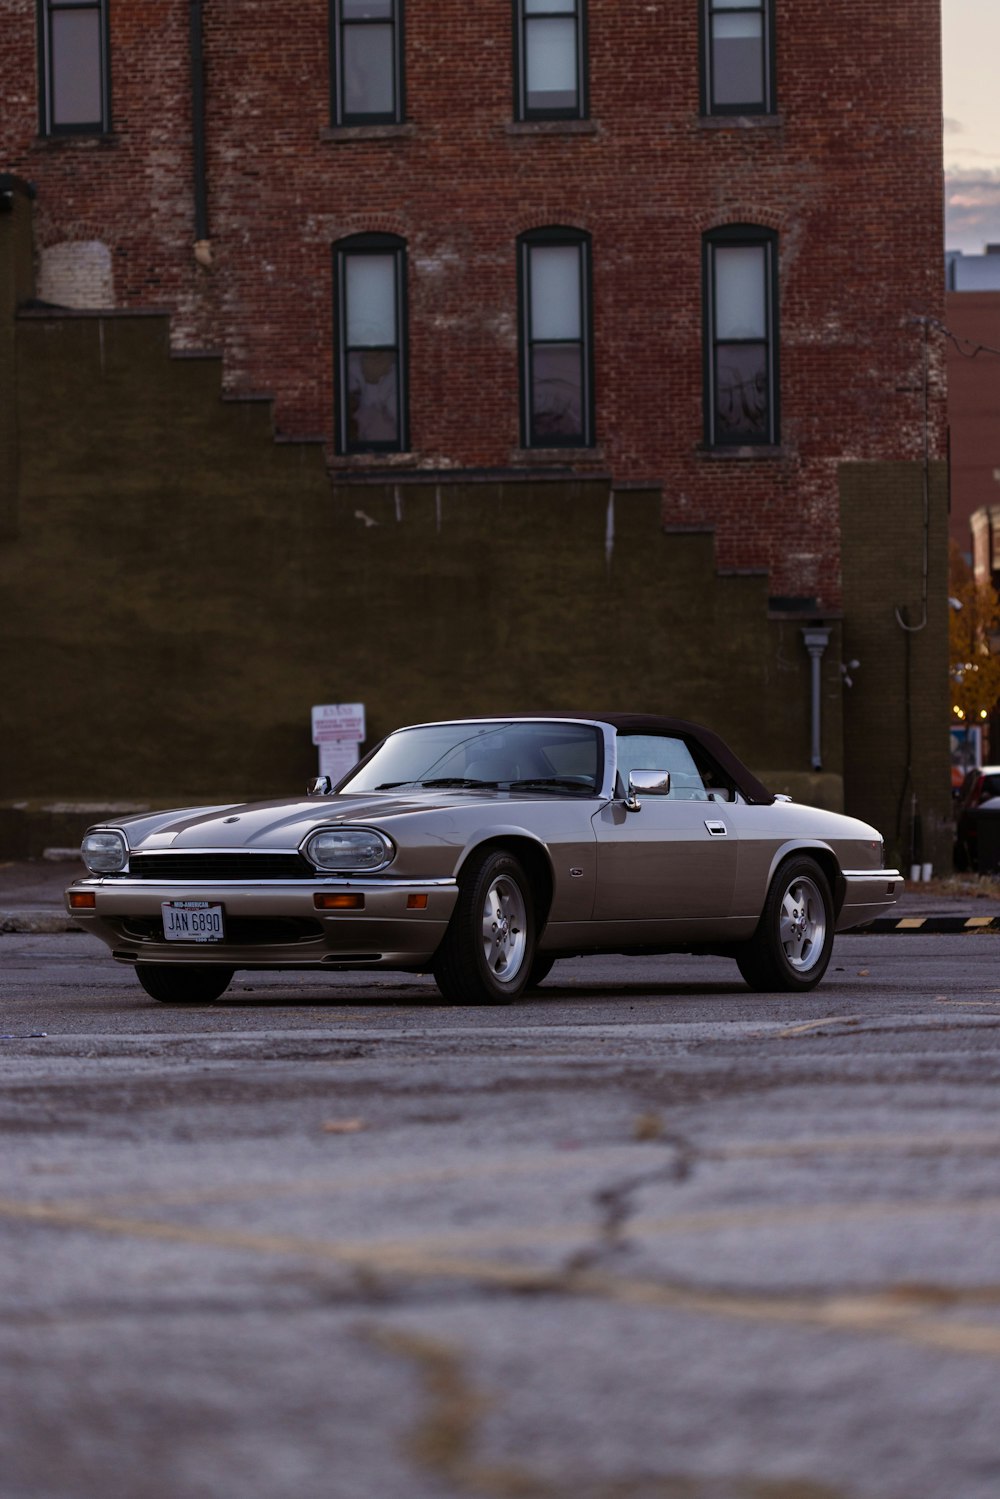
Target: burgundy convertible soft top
{"type": "Point", "coordinates": [717, 749]}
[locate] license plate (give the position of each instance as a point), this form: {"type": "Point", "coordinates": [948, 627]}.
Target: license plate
{"type": "Point", "coordinates": [193, 921]}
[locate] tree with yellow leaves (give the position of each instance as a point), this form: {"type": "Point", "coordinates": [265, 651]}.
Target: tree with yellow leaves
{"type": "Point", "coordinates": [973, 624]}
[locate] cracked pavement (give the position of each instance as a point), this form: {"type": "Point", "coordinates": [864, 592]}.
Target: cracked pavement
{"type": "Point", "coordinates": [643, 1236]}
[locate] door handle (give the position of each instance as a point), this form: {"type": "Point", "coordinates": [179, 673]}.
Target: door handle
{"type": "Point", "coordinates": [717, 829]}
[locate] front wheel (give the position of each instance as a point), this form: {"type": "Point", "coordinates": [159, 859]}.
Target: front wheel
{"type": "Point", "coordinates": [791, 948]}
{"type": "Point", "coordinates": [488, 950]}
{"type": "Point", "coordinates": [183, 984]}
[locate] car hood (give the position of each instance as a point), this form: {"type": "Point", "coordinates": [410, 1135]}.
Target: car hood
{"type": "Point", "coordinates": [280, 824]}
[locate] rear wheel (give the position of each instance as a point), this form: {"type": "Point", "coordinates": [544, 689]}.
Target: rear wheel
{"type": "Point", "coordinates": [183, 984]}
{"type": "Point", "coordinates": [488, 950]}
{"type": "Point", "coordinates": [791, 947]}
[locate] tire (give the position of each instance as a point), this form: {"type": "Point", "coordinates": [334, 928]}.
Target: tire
{"type": "Point", "coordinates": [790, 950]}
{"type": "Point", "coordinates": [183, 984]}
{"type": "Point", "coordinates": [488, 950]}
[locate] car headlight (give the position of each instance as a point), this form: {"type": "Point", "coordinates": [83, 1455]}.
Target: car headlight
{"type": "Point", "coordinates": [348, 849]}
{"type": "Point", "coordinates": [105, 852]}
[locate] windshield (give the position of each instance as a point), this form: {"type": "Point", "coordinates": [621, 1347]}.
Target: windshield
{"type": "Point", "coordinates": [506, 756]}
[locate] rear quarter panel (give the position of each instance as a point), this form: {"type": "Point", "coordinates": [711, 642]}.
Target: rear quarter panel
{"type": "Point", "coordinates": [770, 834]}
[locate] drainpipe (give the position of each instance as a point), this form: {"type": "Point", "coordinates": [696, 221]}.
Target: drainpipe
{"type": "Point", "coordinates": [816, 639]}
{"type": "Point", "coordinates": [202, 242]}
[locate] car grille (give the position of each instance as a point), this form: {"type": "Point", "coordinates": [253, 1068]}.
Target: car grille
{"type": "Point", "coordinates": [220, 867]}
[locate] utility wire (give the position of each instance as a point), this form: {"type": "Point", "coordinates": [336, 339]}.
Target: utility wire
{"type": "Point", "coordinates": [971, 350]}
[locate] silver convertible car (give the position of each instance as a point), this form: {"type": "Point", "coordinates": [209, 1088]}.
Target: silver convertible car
{"type": "Point", "coordinates": [481, 850]}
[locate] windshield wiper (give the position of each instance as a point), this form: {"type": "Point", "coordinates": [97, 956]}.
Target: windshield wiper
{"type": "Point", "coordinates": [553, 783]}
{"type": "Point", "coordinates": [440, 783]}
{"type": "Point", "coordinates": [459, 781]}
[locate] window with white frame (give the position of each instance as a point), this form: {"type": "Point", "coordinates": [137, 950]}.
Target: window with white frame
{"type": "Point", "coordinates": [550, 59]}
{"type": "Point", "coordinates": [737, 57]}
{"type": "Point", "coordinates": [556, 377]}
{"type": "Point", "coordinates": [366, 44]}
{"type": "Point", "coordinates": [741, 343]}
{"type": "Point", "coordinates": [73, 67]}
{"type": "Point", "coordinates": [370, 273]}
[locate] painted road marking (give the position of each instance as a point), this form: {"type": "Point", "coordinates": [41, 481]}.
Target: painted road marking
{"type": "Point", "coordinates": [901, 1312]}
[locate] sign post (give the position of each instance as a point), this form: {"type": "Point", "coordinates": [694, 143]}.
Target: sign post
{"type": "Point", "coordinates": [338, 730]}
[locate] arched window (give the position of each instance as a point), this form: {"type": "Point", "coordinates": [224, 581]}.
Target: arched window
{"type": "Point", "coordinates": [741, 336]}
{"type": "Point", "coordinates": [556, 354]}
{"type": "Point", "coordinates": [370, 343]}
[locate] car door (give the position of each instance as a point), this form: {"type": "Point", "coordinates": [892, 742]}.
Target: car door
{"type": "Point", "coordinates": [673, 861]}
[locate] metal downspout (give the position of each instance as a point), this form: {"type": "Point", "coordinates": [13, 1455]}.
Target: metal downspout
{"type": "Point", "coordinates": [816, 639]}
{"type": "Point", "coordinates": [202, 242]}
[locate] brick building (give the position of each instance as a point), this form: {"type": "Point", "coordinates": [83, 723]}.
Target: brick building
{"type": "Point", "coordinates": [465, 357]}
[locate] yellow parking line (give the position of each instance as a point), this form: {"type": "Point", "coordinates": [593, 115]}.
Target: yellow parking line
{"type": "Point", "coordinates": [910, 923]}
{"type": "Point", "coordinates": [399, 1252]}
{"type": "Point", "coordinates": [897, 1312]}
{"type": "Point", "coordinates": [815, 1025]}
{"type": "Point", "coordinates": [560, 1162]}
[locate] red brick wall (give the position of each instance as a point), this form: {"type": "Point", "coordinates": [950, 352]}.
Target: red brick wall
{"type": "Point", "coordinates": [973, 406]}
{"type": "Point", "coordinates": [849, 174]}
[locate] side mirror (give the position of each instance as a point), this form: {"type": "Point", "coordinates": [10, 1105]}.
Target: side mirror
{"type": "Point", "coordinates": [650, 782]}
{"type": "Point", "coordinates": [321, 786]}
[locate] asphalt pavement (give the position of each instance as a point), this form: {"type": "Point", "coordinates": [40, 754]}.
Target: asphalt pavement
{"type": "Point", "coordinates": [31, 900]}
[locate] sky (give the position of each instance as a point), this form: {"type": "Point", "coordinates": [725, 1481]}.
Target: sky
{"type": "Point", "coordinates": [971, 36]}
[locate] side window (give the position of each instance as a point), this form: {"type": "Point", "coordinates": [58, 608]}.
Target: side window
{"type": "Point", "coordinates": [370, 341]}
{"type": "Point", "coordinates": [741, 336]}
{"type": "Point", "coordinates": [73, 67]}
{"type": "Point", "coordinates": [550, 59]}
{"type": "Point", "coordinates": [737, 56]}
{"type": "Point", "coordinates": [366, 46]}
{"type": "Point", "coordinates": [556, 376]}
{"type": "Point", "coordinates": [657, 752]}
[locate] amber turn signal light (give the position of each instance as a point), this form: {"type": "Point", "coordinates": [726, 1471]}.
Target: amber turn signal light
{"type": "Point", "coordinates": [340, 900]}
{"type": "Point", "coordinates": [82, 900]}
{"type": "Point", "coordinates": [416, 903]}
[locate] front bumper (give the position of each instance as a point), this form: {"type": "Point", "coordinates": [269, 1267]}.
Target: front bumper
{"type": "Point", "coordinates": [867, 893]}
{"type": "Point", "coordinates": [272, 923]}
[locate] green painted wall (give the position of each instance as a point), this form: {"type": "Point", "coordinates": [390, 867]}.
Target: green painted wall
{"type": "Point", "coordinates": [896, 715]}
{"type": "Point", "coordinates": [181, 589]}
{"type": "Point", "coordinates": [16, 284]}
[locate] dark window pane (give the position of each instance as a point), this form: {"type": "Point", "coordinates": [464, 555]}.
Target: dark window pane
{"type": "Point", "coordinates": [741, 392]}
{"type": "Point", "coordinates": [76, 67]}
{"type": "Point", "coordinates": [372, 397]}
{"type": "Point", "coordinates": [368, 70]}
{"type": "Point", "coordinates": [556, 391]}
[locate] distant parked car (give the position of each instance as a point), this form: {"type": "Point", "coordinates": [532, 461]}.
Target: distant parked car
{"type": "Point", "coordinates": [980, 786]}
{"type": "Point", "coordinates": [482, 850]}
